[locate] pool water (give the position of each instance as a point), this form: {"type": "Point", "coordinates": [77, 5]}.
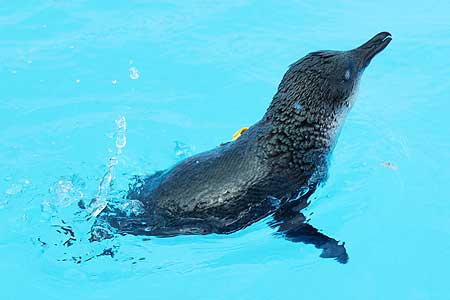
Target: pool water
{"type": "Point", "coordinates": [93, 93]}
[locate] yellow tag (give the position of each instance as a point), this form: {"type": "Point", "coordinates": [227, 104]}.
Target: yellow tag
{"type": "Point", "coordinates": [238, 133]}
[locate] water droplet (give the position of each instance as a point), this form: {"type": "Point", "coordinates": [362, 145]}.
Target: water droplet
{"type": "Point", "coordinates": [347, 75]}
{"type": "Point", "coordinates": [121, 138]}
{"type": "Point", "coordinates": [134, 73]}
{"type": "Point", "coordinates": [182, 150]}
{"type": "Point", "coordinates": [121, 141]}
{"type": "Point", "coordinates": [121, 123]}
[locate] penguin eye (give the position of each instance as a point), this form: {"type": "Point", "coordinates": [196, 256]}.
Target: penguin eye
{"type": "Point", "coordinates": [347, 75]}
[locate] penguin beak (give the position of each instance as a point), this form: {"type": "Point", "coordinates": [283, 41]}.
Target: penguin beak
{"type": "Point", "coordinates": [372, 47]}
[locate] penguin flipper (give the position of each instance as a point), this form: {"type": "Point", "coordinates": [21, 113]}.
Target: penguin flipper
{"type": "Point", "coordinates": [292, 225]}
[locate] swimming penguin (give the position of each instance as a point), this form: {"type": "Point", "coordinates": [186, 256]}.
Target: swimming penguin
{"type": "Point", "coordinates": [271, 169]}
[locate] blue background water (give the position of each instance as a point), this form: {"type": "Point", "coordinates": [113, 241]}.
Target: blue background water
{"type": "Point", "coordinates": [207, 69]}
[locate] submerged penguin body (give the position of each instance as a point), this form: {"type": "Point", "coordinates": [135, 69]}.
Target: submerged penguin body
{"type": "Point", "coordinates": [218, 191]}
{"type": "Point", "coordinates": [271, 169]}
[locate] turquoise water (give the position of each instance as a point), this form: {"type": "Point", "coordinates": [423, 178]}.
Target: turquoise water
{"type": "Point", "coordinates": [180, 77]}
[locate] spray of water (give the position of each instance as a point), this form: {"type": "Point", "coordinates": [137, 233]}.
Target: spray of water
{"type": "Point", "coordinates": [98, 204]}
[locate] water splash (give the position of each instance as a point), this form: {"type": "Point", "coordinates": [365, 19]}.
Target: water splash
{"type": "Point", "coordinates": [98, 204]}
{"type": "Point", "coordinates": [62, 194]}
{"type": "Point", "coordinates": [67, 191]}
{"type": "Point", "coordinates": [133, 208]}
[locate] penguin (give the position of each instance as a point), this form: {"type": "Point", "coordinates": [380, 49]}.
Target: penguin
{"type": "Point", "coordinates": [269, 169]}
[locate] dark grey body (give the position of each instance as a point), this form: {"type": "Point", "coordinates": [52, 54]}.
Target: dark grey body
{"type": "Point", "coordinates": [221, 190]}
{"type": "Point", "coordinates": [271, 169]}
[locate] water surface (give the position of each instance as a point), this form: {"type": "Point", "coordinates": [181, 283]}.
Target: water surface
{"type": "Point", "coordinates": [192, 73]}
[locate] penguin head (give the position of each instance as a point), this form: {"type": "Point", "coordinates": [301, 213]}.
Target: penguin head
{"type": "Point", "coordinates": [325, 82]}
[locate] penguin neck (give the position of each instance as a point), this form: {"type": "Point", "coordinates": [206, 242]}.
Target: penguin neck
{"type": "Point", "coordinates": [303, 125]}
{"type": "Point", "coordinates": [301, 138]}
{"type": "Point", "coordinates": [312, 124]}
